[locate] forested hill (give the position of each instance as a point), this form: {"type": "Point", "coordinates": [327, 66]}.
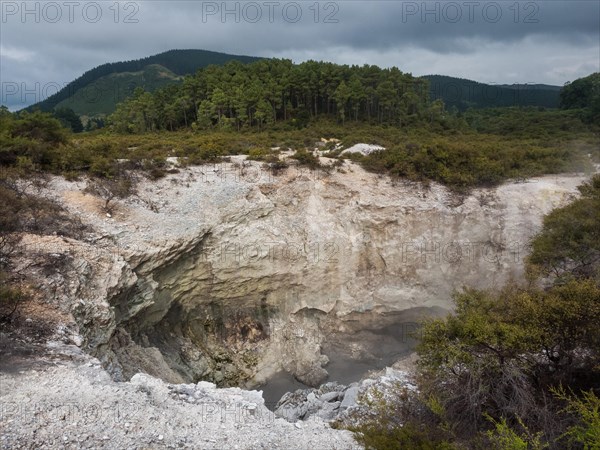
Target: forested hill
{"type": "Point", "coordinates": [463, 94]}
{"type": "Point", "coordinates": [179, 62]}
{"type": "Point", "coordinates": [98, 91]}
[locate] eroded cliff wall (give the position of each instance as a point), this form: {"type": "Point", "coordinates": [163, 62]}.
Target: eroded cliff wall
{"type": "Point", "coordinates": [230, 273]}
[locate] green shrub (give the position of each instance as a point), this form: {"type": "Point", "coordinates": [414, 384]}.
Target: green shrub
{"type": "Point", "coordinates": [307, 159]}
{"type": "Point", "coordinates": [400, 419]}
{"type": "Point", "coordinates": [409, 436]}
{"type": "Point", "coordinates": [569, 243]}
{"type": "Point", "coordinates": [261, 154]}
{"type": "Point", "coordinates": [503, 437]}
{"type": "Point", "coordinates": [586, 410]}
{"type": "Point", "coordinates": [502, 352]}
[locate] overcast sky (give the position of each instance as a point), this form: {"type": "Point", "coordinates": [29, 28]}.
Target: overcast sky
{"type": "Point", "coordinates": [48, 44]}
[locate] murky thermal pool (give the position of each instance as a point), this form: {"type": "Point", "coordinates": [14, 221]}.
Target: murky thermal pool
{"type": "Point", "coordinates": [351, 357]}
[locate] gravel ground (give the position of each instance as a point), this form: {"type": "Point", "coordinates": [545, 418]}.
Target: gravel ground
{"type": "Point", "coordinates": [77, 406]}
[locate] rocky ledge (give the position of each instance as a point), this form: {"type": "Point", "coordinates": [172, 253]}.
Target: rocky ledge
{"type": "Point", "coordinates": [347, 404]}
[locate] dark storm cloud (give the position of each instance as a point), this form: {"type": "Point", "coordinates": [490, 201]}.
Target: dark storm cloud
{"type": "Point", "coordinates": [543, 41]}
{"type": "Point", "coordinates": [441, 25]}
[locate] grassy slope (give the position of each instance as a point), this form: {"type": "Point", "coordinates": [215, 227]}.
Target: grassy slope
{"type": "Point", "coordinates": [101, 97]}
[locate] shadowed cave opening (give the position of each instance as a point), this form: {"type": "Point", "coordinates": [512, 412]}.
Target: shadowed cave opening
{"type": "Point", "coordinates": [225, 343]}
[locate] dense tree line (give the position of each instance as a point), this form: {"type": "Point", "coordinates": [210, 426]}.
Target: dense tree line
{"type": "Point", "coordinates": [69, 119]}
{"type": "Point", "coordinates": [584, 94]}
{"type": "Point", "coordinates": [463, 94]}
{"type": "Point", "coordinates": [236, 96]}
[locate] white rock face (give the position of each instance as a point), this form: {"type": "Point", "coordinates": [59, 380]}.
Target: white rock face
{"type": "Point", "coordinates": [235, 273]}
{"type": "Point", "coordinates": [363, 149]}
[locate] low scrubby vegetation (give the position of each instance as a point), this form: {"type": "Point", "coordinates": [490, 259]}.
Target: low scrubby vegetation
{"type": "Point", "coordinates": [569, 246]}
{"type": "Point", "coordinates": [461, 157]}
